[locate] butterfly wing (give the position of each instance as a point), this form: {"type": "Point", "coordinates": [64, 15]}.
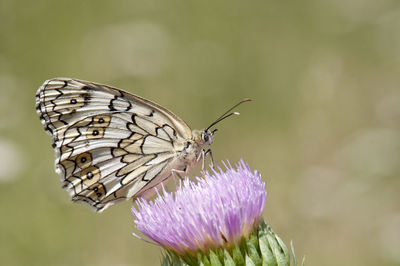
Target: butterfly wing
{"type": "Point", "coordinates": [110, 145]}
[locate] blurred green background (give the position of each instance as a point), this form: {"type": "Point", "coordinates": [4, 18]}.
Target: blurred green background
{"type": "Point", "coordinates": [323, 129]}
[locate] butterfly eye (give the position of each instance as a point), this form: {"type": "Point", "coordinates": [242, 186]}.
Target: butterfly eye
{"type": "Point", "coordinates": [205, 137]}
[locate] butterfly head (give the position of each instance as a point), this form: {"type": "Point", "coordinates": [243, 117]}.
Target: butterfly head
{"type": "Point", "coordinates": [207, 136]}
{"type": "Point", "coordinates": [203, 137]}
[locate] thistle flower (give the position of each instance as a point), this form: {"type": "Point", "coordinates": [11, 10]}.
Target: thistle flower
{"type": "Point", "coordinates": [216, 218]}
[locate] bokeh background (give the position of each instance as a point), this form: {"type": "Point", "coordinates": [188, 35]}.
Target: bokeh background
{"type": "Point", "coordinates": [323, 129]}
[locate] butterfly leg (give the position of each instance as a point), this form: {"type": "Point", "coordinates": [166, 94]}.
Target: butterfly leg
{"type": "Point", "coordinates": [203, 156]}
{"type": "Point", "coordinates": [177, 173]}
{"type": "Point", "coordinates": [208, 152]}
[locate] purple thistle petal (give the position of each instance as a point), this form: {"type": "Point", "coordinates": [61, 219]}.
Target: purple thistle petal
{"type": "Point", "coordinates": [216, 211]}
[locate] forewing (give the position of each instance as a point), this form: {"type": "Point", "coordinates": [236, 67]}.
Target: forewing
{"type": "Point", "coordinates": [109, 144]}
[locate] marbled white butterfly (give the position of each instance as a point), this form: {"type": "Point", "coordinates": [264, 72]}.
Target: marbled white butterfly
{"type": "Point", "coordinates": [111, 145]}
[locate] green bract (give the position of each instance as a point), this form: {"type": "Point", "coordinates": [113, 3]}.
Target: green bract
{"type": "Point", "coordinates": [263, 247]}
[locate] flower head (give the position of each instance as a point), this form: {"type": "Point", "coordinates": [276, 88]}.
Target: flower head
{"type": "Point", "coordinates": [216, 211]}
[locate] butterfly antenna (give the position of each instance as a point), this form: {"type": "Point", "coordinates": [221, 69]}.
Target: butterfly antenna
{"type": "Point", "coordinates": [227, 114]}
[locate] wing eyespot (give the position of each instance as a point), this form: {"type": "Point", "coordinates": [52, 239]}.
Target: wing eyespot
{"type": "Point", "coordinates": [95, 133]}
{"type": "Point", "coordinates": [97, 192]}
{"type": "Point", "coordinates": [90, 175]}
{"type": "Point", "coordinates": [101, 121]}
{"type": "Point", "coordinates": [84, 160]}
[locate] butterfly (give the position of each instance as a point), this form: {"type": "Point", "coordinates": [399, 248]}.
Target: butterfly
{"type": "Point", "coordinates": [111, 145]}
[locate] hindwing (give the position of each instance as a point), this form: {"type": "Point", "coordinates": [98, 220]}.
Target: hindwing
{"type": "Point", "coordinates": [109, 144]}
